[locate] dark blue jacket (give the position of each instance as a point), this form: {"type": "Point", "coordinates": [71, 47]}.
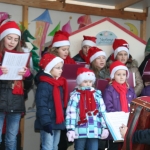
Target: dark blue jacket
{"type": "Point", "coordinates": [78, 58]}
{"type": "Point", "coordinates": [45, 113]}
{"type": "Point", "coordinates": [142, 137]}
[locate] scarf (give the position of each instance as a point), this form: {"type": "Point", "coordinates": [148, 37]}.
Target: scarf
{"type": "Point", "coordinates": [57, 96]}
{"type": "Point", "coordinates": [84, 57]}
{"type": "Point", "coordinates": [69, 60]}
{"type": "Point", "coordinates": [87, 105]}
{"type": "Point", "coordinates": [122, 90]}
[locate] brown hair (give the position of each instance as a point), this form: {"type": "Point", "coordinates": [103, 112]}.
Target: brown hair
{"type": "Point", "coordinates": [54, 50]}
{"type": "Point", "coordinates": [2, 47]}
{"type": "Point", "coordinates": [96, 69]}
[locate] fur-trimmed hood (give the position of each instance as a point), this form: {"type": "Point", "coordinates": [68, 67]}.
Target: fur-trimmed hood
{"type": "Point", "coordinates": [130, 63]}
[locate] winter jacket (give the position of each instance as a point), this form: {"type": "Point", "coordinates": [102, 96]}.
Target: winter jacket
{"type": "Point", "coordinates": [112, 98]}
{"type": "Point", "coordinates": [78, 58]}
{"type": "Point", "coordinates": [45, 107]}
{"type": "Point", "coordinates": [10, 102]}
{"type": "Point", "coordinates": [132, 65]}
{"type": "Point", "coordinates": [141, 137]}
{"type": "Point", "coordinates": [91, 129]}
{"type": "Point", "coordinates": [146, 91]}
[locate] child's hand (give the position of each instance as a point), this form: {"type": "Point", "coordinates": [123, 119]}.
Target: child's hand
{"type": "Point", "coordinates": [147, 83]}
{"type": "Point", "coordinates": [3, 70]}
{"type": "Point", "coordinates": [24, 72]}
{"type": "Point", "coordinates": [71, 136]}
{"type": "Point", "coordinates": [123, 130]}
{"type": "Point", "coordinates": [104, 134]}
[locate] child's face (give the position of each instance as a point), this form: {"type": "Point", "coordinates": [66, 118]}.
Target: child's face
{"type": "Point", "coordinates": [85, 49]}
{"type": "Point", "coordinates": [122, 56]}
{"type": "Point", "coordinates": [11, 41]}
{"type": "Point", "coordinates": [57, 70]}
{"type": "Point", "coordinates": [120, 76]}
{"type": "Point", "coordinates": [100, 62]}
{"type": "Point", "coordinates": [86, 83]}
{"type": "Point", "coordinates": [63, 52]}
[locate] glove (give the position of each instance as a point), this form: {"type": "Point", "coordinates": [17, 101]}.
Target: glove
{"type": "Point", "coordinates": [71, 136]}
{"type": "Point", "coordinates": [48, 129]}
{"type": "Point", "coordinates": [104, 134]}
{"type": "Point", "coordinates": [27, 73]}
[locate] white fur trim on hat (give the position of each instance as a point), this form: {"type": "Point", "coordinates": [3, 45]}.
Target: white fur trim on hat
{"type": "Point", "coordinates": [10, 31]}
{"type": "Point", "coordinates": [120, 67]}
{"type": "Point", "coordinates": [97, 54]}
{"type": "Point", "coordinates": [119, 49]}
{"type": "Point", "coordinates": [52, 63]}
{"type": "Point", "coordinates": [88, 42]}
{"type": "Point", "coordinates": [61, 43]}
{"type": "Point", "coordinates": [85, 76]}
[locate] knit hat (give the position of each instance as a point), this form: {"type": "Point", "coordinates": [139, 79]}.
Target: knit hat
{"type": "Point", "coordinates": [60, 39]}
{"type": "Point", "coordinates": [120, 45]}
{"type": "Point", "coordinates": [9, 27]}
{"type": "Point", "coordinates": [115, 66]}
{"type": "Point", "coordinates": [89, 40]}
{"type": "Point", "coordinates": [95, 52]}
{"type": "Point", "coordinates": [85, 74]}
{"type": "Point", "coordinates": [48, 61]}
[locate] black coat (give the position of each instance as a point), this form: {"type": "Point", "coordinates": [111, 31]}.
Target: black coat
{"type": "Point", "coordinates": [141, 137]}
{"type": "Point", "coordinates": [78, 58]}
{"type": "Point", "coordinates": [10, 102]}
{"type": "Point", "coordinates": [45, 113]}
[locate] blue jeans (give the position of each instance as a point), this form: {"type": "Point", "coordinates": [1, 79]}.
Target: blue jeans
{"type": "Point", "coordinates": [12, 127]}
{"type": "Point", "coordinates": [48, 141]}
{"type": "Point", "coordinates": [88, 143]}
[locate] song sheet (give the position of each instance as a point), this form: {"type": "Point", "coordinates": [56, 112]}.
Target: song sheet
{"type": "Point", "coordinates": [14, 62]}
{"type": "Point", "coordinates": [114, 120]}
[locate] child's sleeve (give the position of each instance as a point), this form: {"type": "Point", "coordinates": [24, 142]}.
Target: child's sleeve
{"type": "Point", "coordinates": [71, 111]}
{"type": "Point", "coordinates": [108, 100]}
{"type": "Point", "coordinates": [42, 98]}
{"type": "Point", "coordinates": [141, 136]}
{"type": "Point", "coordinates": [102, 107]}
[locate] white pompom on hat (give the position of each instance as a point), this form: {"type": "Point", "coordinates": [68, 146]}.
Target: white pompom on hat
{"type": "Point", "coordinates": [115, 66]}
{"type": "Point", "coordinates": [85, 74]}
{"type": "Point", "coordinates": [9, 27]}
{"type": "Point", "coordinates": [120, 45]}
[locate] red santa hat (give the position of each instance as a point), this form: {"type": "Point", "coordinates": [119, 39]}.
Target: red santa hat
{"type": "Point", "coordinates": [60, 39]}
{"type": "Point", "coordinates": [89, 40]}
{"type": "Point", "coordinates": [9, 27]}
{"type": "Point", "coordinates": [120, 45]}
{"type": "Point", "coordinates": [115, 66]}
{"type": "Point", "coordinates": [48, 61]}
{"type": "Point", "coordinates": [85, 74]}
{"type": "Point", "coordinates": [95, 52]}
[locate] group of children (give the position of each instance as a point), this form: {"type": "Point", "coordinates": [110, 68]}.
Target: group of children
{"type": "Point", "coordinates": [82, 114]}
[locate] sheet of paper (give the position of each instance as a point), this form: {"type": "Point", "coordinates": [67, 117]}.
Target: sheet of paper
{"type": "Point", "coordinates": [14, 62]}
{"type": "Point", "coordinates": [114, 120]}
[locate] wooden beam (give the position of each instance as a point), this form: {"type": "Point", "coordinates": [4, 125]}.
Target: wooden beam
{"type": "Point", "coordinates": [143, 27]}
{"type": "Point", "coordinates": [126, 3]}
{"type": "Point", "coordinates": [78, 9]}
{"type": "Point", "coordinates": [25, 16]}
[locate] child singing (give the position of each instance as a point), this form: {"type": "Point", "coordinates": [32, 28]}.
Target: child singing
{"type": "Point", "coordinates": [118, 94]}
{"type": "Point", "coordinates": [84, 121]}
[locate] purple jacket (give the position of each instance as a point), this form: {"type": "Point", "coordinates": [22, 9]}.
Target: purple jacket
{"type": "Point", "coordinates": [146, 91]}
{"type": "Point", "coordinates": [112, 98]}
